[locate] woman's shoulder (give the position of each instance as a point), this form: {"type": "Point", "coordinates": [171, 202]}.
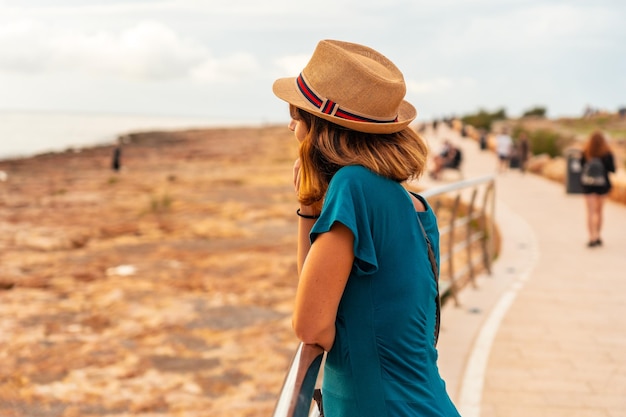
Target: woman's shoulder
{"type": "Point", "coordinates": [355, 173]}
{"type": "Point", "coordinates": [353, 170]}
{"type": "Point", "coordinates": [607, 157]}
{"type": "Point", "coordinates": [357, 180]}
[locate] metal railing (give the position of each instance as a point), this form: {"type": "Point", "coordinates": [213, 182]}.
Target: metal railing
{"type": "Point", "coordinates": [465, 211]}
{"type": "Point", "coordinates": [296, 396]}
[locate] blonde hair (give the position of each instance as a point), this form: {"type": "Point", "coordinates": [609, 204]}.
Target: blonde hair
{"type": "Point", "coordinates": [596, 146]}
{"type": "Point", "coordinates": [328, 147]}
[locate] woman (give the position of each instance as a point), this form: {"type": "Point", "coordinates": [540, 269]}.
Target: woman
{"type": "Point", "coordinates": [366, 292]}
{"type": "Point", "coordinates": [597, 147]}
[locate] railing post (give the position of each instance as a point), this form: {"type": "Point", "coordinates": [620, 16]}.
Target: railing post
{"type": "Point", "coordinates": [489, 225]}
{"type": "Point", "coordinates": [468, 238]}
{"type": "Point", "coordinates": [483, 235]}
{"type": "Point", "coordinates": [451, 243]}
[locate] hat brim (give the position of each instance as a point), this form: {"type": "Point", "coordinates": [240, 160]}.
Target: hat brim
{"type": "Point", "coordinates": [286, 89]}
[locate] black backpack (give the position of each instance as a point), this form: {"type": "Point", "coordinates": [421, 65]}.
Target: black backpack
{"type": "Point", "coordinates": [593, 174]}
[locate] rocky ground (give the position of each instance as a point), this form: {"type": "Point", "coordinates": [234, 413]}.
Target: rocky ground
{"type": "Point", "coordinates": [161, 290]}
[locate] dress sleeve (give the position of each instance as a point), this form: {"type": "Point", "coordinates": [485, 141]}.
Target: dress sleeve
{"type": "Point", "coordinates": [346, 202]}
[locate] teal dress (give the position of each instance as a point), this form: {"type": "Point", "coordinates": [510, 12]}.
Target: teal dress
{"type": "Point", "coordinates": [383, 361]}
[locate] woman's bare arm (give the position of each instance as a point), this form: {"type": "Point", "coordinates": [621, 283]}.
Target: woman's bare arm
{"type": "Point", "coordinates": [322, 281]}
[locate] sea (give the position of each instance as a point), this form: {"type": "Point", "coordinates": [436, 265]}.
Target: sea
{"type": "Point", "coordinates": [28, 133]}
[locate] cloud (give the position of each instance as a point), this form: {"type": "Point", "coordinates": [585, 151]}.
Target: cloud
{"type": "Point", "coordinates": [537, 27]}
{"type": "Point", "coordinates": [455, 55]}
{"type": "Point", "coordinates": [148, 50]}
{"type": "Point", "coordinates": [231, 69]}
{"type": "Point", "coordinates": [438, 85]}
{"type": "Point", "coordinates": [291, 65]}
{"type": "Point", "coordinates": [22, 46]}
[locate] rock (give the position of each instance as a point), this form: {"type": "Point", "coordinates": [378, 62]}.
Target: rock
{"type": "Point", "coordinates": [555, 169]}
{"type": "Point", "coordinates": [119, 229]}
{"type": "Point", "coordinates": [537, 163]}
{"type": "Point", "coordinates": [121, 270]}
{"type": "Point", "coordinates": [49, 240]}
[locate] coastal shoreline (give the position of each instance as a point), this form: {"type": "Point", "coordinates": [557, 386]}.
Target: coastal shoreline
{"type": "Point", "coordinates": [30, 133]}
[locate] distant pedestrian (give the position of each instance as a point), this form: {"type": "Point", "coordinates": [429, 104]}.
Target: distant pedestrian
{"type": "Point", "coordinates": [116, 162]}
{"type": "Point", "coordinates": [597, 162]}
{"type": "Point", "coordinates": [483, 140]}
{"type": "Point", "coordinates": [523, 150]}
{"type": "Point", "coordinates": [504, 148]}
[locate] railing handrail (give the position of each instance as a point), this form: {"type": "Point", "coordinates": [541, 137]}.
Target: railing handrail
{"type": "Point", "coordinates": [484, 234]}
{"type": "Point", "coordinates": [457, 185]}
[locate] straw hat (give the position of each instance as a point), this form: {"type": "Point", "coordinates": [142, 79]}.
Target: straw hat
{"type": "Point", "coordinates": [350, 85]}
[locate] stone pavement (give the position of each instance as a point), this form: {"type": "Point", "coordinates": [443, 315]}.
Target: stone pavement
{"type": "Point", "coordinates": [545, 334]}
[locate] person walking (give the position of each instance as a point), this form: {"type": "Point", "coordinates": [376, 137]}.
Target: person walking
{"type": "Point", "coordinates": [597, 162]}
{"type": "Point", "coordinates": [504, 147]}
{"type": "Point", "coordinates": [367, 290]}
{"type": "Point", "coordinates": [523, 150]}
{"type": "Point", "coordinates": [483, 140]}
{"type": "Point", "coordinates": [116, 159]}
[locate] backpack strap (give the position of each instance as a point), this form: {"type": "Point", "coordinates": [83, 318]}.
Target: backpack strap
{"type": "Point", "coordinates": [433, 264]}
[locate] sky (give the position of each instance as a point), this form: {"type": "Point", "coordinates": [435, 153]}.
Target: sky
{"type": "Point", "coordinates": [218, 58]}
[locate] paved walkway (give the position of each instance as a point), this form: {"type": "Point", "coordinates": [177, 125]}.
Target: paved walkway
{"type": "Point", "coordinates": [545, 334]}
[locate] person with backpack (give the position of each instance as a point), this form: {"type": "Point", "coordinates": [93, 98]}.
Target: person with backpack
{"type": "Point", "coordinates": [597, 162]}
